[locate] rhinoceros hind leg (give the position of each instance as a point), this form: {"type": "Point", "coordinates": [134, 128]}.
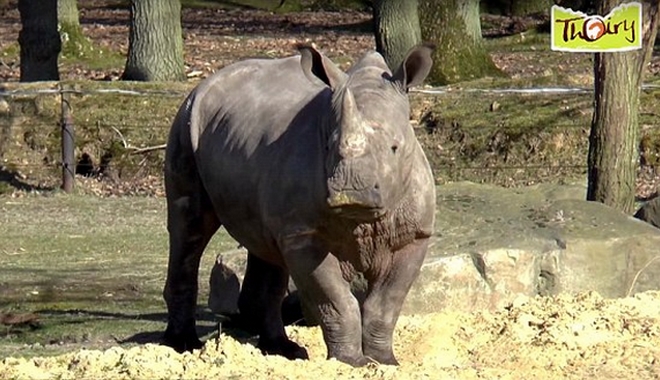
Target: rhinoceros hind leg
{"type": "Point", "coordinates": [260, 305]}
{"type": "Point", "coordinates": [191, 222]}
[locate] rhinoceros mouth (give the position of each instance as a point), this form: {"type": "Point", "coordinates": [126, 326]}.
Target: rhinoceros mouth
{"type": "Point", "coordinates": [359, 213]}
{"type": "Point", "coordinates": [356, 204]}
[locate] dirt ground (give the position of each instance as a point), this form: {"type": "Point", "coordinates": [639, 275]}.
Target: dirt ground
{"type": "Point", "coordinates": [568, 337]}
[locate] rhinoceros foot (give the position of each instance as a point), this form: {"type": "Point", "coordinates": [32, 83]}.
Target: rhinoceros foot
{"type": "Point", "coordinates": [382, 357]}
{"type": "Point", "coordinates": [182, 341]}
{"type": "Point", "coordinates": [283, 347]}
{"type": "Point", "coordinates": [355, 361]}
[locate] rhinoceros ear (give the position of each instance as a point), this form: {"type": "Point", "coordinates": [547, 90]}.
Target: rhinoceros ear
{"type": "Point", "coordinates": [416, 66]}
{"type": "Point", "coordinates": [316, 65]}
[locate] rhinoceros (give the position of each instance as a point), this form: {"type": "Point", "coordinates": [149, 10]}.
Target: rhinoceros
{"type": "Point", "coordinates": [318, 174]}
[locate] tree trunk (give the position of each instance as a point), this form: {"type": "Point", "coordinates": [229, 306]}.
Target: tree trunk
{"type": "Point", "coordinates": [39, 40]}
{"type": "Point", "coordinates": [454, 26]}
{"type": "Point", "coordinates": [396, 28]}
{"type": "Point", "coordinates": [74, 42]}
{"type": "Point", "coordinates": [613, 141]}
{"type": "Point", "coordinates": [155, 51]}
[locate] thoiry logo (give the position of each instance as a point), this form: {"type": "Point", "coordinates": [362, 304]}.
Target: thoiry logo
{"type": "Point", "coordinates": [620, 30]}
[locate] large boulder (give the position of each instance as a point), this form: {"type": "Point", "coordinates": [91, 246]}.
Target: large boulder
{"type": "Point", "coordinates": [494, 244]}
{"type": "Point", "coordinates": [224, 288]}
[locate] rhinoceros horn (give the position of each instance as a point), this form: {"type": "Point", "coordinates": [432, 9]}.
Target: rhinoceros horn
{"type": "Point", "coordinates": [352, 140]}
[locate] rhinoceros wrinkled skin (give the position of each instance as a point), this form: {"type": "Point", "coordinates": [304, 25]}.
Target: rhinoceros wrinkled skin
{"type": "Point", "coordinates": [318, 173]}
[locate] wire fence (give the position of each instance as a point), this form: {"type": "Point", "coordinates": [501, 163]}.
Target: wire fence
{"type": "Point", "coordinates": [431, 91]}
{"type": "Point", "coordinates": [64, 120]}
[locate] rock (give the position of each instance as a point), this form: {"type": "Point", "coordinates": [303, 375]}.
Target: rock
{"type": "Point", "coordinates": [494, 245]}
{"type": "Point", "coordinates": [224, 283]}
{"type": "Point", "coordinates": [224, 289]}
{"type": "Point", "coordinates": [650, 212]}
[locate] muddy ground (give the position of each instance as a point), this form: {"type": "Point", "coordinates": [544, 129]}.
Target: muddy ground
{"type": "Point", "coordinates": [570, 337]}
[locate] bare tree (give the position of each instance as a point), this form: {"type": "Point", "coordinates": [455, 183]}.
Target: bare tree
{"type": "Point", "coordinates": [155, 51]}
{"type": "Point", "coordinates": [39, 40]}
{"type": "Point", "coordinates": [613, 141]}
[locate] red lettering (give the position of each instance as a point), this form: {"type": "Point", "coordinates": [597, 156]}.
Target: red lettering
{"type": "Point", "coordinates": [571, 31]}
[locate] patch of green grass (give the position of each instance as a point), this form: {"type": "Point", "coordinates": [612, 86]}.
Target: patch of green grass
{"type": "Point", "coordinates": [93, 270]}
{"type": "Point", "coordinates": [514, 110]}
{"type": "Point", "coordinates": [650, 127]}
{"type": "Point", "coordinates": [530, 40]}
{"type": "Point", "coordinates": [507, 139]}
{"type": "Point", "coordinates": [96, 58]}
{"type": "Point", "coordinates": [5, 188]}
{"type": "Point", "coordinates": [103, 122]}
{"type": "Point", "coordinates": [78, 50]}
{"type": "Point", "coordinates": [518, 139]}
{"type": "Point", "coordinates": [546, 79]}
{"type": "Point", "coordinates": [10, 51]}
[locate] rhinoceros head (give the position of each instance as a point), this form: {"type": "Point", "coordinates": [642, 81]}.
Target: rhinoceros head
{"type": "Point", "coordinates": [370, 142]}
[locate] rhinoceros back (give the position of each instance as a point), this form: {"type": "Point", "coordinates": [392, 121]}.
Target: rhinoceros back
{"type": "Point", "coordinates": [250, 101]}
{"type": "Point", "coordinates": [245, 124]}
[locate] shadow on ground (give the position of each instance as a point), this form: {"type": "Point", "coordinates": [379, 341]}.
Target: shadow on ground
{"type": "Point", "coordinates": [209, 325]}
{"type": "Point", "coordinates": [11, 178]}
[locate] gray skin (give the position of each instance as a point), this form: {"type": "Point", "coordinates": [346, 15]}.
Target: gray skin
{"type": "Point", "coordinates": [319, 175]}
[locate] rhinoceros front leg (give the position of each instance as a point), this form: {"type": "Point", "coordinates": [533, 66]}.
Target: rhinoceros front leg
{"type": "Point", "coordinates": [191, 223]}
{"type": "Point", "coordinates": [319, 280]}
{"type": "Point", "coordinates": [260, 305]}
{"type": "Point", "coordinates": [384, 300]}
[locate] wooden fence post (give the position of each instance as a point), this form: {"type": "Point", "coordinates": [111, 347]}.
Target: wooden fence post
{"type": "Point", "coordinates": [68, 144]}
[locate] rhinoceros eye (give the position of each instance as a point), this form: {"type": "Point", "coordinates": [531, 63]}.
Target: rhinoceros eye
{"type": "Point", "coordinates": [394, 148]}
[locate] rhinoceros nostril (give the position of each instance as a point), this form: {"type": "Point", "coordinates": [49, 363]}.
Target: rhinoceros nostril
{"type": "Point", "coordinates": [376, 186]}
